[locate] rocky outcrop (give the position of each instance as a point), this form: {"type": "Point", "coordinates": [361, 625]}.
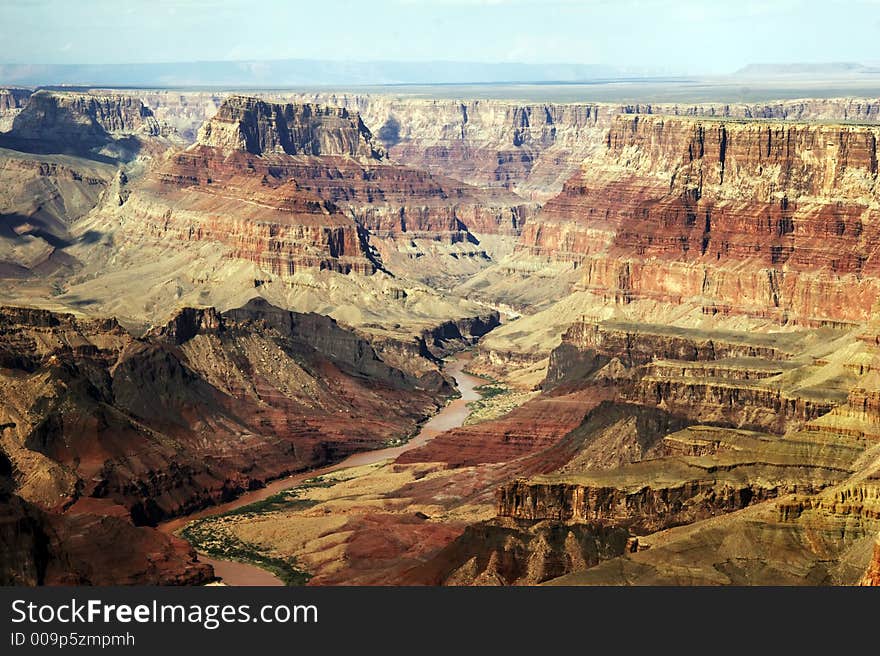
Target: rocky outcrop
{"type": "Point", "coordinates": [859, 417]}
{"type": "Point", "coordinates": [13, 98]}
{"type": "Point", "coordinates": [872, 576]}
{"type": "Point", "coordinates": [821, 539]}
{"type": "Point", "coordinates": [11, 102]}
{"type": "Point", "coordinates": [453, 335]}
{"type": "Point", "coordinates": [196, 411]}
{"type": "Point", "coordinates": [40, 199]}
{"type": "Point", "coordinates": [45, 548]}
{"type": "Point", "coordinates": [588, 345]}
{"type": "Point", "coordinates": [643, 508]}
{"type": "Point", "coordinates": [504, 551]}
{"type": "Point", "coordinates": [79, 123]}
{"type": "Point", "coordinates": [302, 186]}
{"type": "Point", "coordinates": [726, 402]}
{"type": "Point", "coordinates": [651, 509]}
{"type": "Point", "coordinates": [253, 206]}
{"type": "Point", "coordinates": [257, 127]}
{"type": "Point", "coordinates": [717, 377]}
{"type": "Point", "coordinates": [769, 219]}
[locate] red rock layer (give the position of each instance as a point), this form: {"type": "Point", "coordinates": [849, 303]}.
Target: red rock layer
{"type": "Point", "coordinates": [529, 429]}
{"type": "Point", "coordinates": [290, 212]}
{"type": "Point", "coordinates": [42, 548]}
{"type": "Point", "coordinates": [253, 205]}
{"type": "Point", "coordinates": [772, 219]}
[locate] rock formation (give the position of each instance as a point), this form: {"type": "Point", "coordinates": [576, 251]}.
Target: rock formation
{"type": "Point", "coordinates": [219, 403]}
{"type": "Point", "coordinates": [257, 127]}
{"type": "Point", "coordinates": [320, 199]}
{"type": "Point", "coordinates": [766, 219]}
{"type": "Point", "coordinates": [65, 122]}
{"type": "Point", "coordinates": [42, 548]}
{"type": "Point", "coordinates": [11, 102]}
{"type": "Point", "coordinates": [532, 148]}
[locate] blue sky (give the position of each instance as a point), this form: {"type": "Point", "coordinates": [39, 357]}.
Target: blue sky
{"type": "Point", "coordinates": [676, 36]}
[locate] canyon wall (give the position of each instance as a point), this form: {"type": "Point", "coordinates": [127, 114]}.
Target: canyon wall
{"type": "Point", "coordinates": [770, 219]}
{"type": "Point", "coordinates": [110, 127]}
{"type": "Point", "coordinates": [11, 102]}
{"type": "Point", "coordinates": [311, 190]}
{"type": "Point", "coordinates": [251, 205]}
{"type": "Point", "coordinates": [532, 148]}
{"type": "Point", "coordinates": [257, 127]}
{"type": "Point", "coordinates": [52, 117]}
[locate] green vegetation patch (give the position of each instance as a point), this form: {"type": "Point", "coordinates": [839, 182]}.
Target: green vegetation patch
{"type": "Point", "coordinates": [215, 535]}
{"type": "Point", "coordinates": [210, 536]}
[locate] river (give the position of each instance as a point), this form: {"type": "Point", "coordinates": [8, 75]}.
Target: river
{"type": "Point", "coordinates": [451, 416]}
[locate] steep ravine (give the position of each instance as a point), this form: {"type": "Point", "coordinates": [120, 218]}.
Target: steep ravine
{"type": "Point", "coordinates": [451, 416]}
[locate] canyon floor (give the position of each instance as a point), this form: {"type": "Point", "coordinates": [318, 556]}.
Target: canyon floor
{"type": "Point", "coordinates": [408, 339]}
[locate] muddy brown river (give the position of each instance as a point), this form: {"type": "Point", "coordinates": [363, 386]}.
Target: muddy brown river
{"type": "Point", "coordinates": [451, 416]}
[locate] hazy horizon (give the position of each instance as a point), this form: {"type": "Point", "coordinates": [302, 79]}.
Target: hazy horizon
{"type": "Point", "coordinates": [656, 37]}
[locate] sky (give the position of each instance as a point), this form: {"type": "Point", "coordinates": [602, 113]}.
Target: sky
{"type": "Point", "coordinates": [667, 36]}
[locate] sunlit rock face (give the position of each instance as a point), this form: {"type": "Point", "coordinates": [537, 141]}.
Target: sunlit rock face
{"type": "Point", "coordinates": [772, 219]}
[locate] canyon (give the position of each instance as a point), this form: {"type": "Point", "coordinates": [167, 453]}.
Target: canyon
{"type": "Point", "coordinates": [226, 319]}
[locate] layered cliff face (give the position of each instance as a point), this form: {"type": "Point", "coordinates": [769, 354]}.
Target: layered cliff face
{"type": "Point", "coordinates": [317, 212]}
{"type": "Point", "coordinates": [532, 148]}
{"type": "Point", "coordinates": [298, 217]}
{"type": "Point", "coordinates": [252, 205]}
{"type": "Point", "coordinates": [527, 148]}
{"type": "Point", "coordinates": [767, 219]}
{"type": "Point", "coordinates": [258, 127]}
{"type": "Point", "coordinates": [112, 125]}
{"type": "Point", "coordinates": [507, 552]}
{"type": "Point", "coordinates": [735, 471]}
{"type": "Point", "coordinates": [858, 110]}
{"type": "Point", "coordinates": [11, 102]}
